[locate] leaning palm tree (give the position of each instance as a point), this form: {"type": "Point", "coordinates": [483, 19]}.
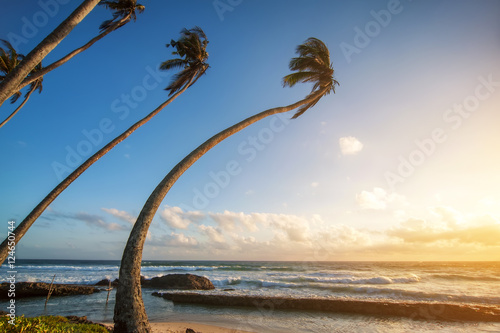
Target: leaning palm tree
{"type": "Point", "coordinates": [312, 65]}
{"type": "Point", "coordinates": [194, 65]}
{"type": "Point", "coordinates": [123, 12]}
{"type": "Point", "coordinates": [10, 85]}
{"type": "Point", "coordinates": [9, 59]}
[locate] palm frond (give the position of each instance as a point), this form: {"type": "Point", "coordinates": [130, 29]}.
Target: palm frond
{"type": "Point", "coordinates": [192, 55]}
{"type": "Point", "coordinates": [180, 79]}
{"type": "Point", "coordinates": [172, 64]}
{"type": "Point", "coordinates": [121, 9]}
{"type": "Point", "coordinates": [291, 79]}
{"type": "Point", "coordinates": [311, 66]}
{"type": "Point", "coordinates": [15, 97]}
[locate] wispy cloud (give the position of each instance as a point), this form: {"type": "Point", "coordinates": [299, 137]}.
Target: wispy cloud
{"type": "Point", "coordinates": [174, 240]}
{"type": "Point", "coordinates": [481, 230]}
{"type": "Point", "coordinates": [91, 220]}
{"type": "Point", "coordinates": [121, 214]}
{"type": "Point", "coordinates": [378, 199]}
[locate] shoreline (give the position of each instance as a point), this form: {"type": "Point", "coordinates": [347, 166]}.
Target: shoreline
{"type": "Point", "coordinates": [180, 327]}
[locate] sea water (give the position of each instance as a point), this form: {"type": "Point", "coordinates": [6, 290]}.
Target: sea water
{"type": "Point", "coordinates": [471, 283]}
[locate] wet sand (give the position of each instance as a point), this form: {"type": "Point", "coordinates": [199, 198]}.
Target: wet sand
{"type": "Point", "coordinates": [174, 327]}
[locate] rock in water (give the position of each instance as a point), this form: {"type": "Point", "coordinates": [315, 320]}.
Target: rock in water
{"type": "Point", "coordinates": [180, 281]}
{"type": "Point", "coordinates": [32, 289]}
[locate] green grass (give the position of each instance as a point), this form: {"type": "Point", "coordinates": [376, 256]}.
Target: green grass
{"type": "Point", "coordinates": [47, 324]}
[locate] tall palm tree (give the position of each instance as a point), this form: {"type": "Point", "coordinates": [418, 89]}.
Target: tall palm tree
{"type": "Point", "coordinates": [195, 66]}
{"type": "Point", "coordinates": [9, 59]}
{"type": "Point", "coordinates": [123, 12]}
{"type": "Point", "coordinates": [312, 65]}
{"type": "Point", "coordinates": [10, 85]}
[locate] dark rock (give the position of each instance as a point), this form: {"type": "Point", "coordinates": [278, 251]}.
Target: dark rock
{"type": "Point", "coordinates": [188, 330]}
{"type": "Point", "coordinates": [414, 310]}
{"type": "Point", "coordinates": [180, 281]}
{"type": "Point", "coordinates": [33, 289]}
{"type": "Point", "coordinates": [229, 289]}
{"type": "Point", "coordinates": [104, 282]}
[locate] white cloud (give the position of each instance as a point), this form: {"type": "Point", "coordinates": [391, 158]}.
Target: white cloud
{"type": "Point", "coordinates": [121, 214]}
{"type": "Point", "coordinates": [378, 199]}
{"type": "Point", "coordinates": [214, 234]}
{"type": "Point", "coordinates": [176, 218]}
{"type": "Point", "coordinates": [259, 236]}
{"type": "Point", "coordinates": [349, 145]}
{"type": "Point", "coordinates": [175, 240]}
{"type": "Point", "coordinates": [480, 230]}
{"type": "Point", "coordinates": [233, 220]}
{"type": "Point", "coordinates": [314, 184]}
{"type": "Point", "coordinates": [448, 215]}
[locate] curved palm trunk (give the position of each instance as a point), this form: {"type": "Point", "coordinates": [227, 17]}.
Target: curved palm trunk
{"type": "Point", "coordinates": [9, 85]}
{"type": "Point", "coordinates": [130, 314]}
{"type": "Point", "coordinates": [18, 108]}
{"type": "Point", "coordinates": [73, 53]}
{"type": "Point", "coordinates": [23, 227]}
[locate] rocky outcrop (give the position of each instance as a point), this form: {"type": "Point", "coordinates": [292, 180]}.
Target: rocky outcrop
{"type": "Point", "coordinates": [105, 283]}
{"type": "Point", "coordinates": [179, 281]}
{"type": "Point", "coordinates": [33, 289]}
{"type": "Point", "coordinates": [170, 281]}
{"type": "Point", "coordinates": [414, 310]}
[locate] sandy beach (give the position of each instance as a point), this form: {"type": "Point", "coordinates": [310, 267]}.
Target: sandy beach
{"type": "Point", "coordinates": [175, 327]}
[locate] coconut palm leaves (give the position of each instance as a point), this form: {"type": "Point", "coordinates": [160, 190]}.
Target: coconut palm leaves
{"type": "Point", "coordinates": [122, 9]}
{"type": "Point", "coordinates": [191, 48]}
{"type": "Point", "coordinates": [312, 65]}
{"type": "Point", "coordinates": [23, 227]}
{"type": "Point", "coordinates": [9, 59]}
{"type": "Point", "coordinates": [123, 12]}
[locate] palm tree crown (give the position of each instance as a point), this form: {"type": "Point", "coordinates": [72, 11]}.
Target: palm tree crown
{"type": "Point", "coordinates": [191, 48]}
{"type": "Point", "coordinates": [9, 59]}
{"type": "Point", "coordinates": [122, 9]}
{"type": "Point", "coordinates": [312, 65]}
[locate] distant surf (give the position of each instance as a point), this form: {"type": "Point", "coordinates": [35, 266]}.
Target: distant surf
{"type": "Point", "coordinates": [425, 289]}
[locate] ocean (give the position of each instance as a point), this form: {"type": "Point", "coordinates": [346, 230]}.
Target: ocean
{"type": "Point", "coordinates": [467, 283]}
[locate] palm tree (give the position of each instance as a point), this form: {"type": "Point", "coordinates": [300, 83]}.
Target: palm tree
{"type": "Point", "coordinates": [9, 59]}
{"type": "Point", "coordinates": [312, 65]}
{"type": "Point", "coordinates": [195, 66]}
{"type": "Point", "coordinates": [10, 85]}
{"type": "Point", "coordinates": [123, 12]}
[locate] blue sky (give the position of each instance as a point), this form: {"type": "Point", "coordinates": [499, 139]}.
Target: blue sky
{"type": "Point", "coordinates": [400, 164]}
